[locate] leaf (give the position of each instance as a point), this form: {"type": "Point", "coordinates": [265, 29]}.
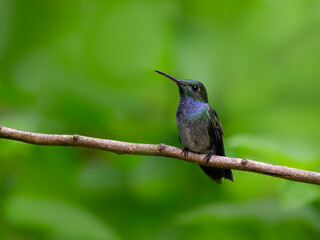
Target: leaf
{"type": "Point", "coordinates": [296, 195]}
{"type": "Point", "coordinates": [266, 211]}
{"type": "Point", "coordinates": [55, 218]}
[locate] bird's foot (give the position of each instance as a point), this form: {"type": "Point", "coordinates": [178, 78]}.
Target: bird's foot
{"type": "Point", "coordinates": [208, 157]}
{"type": "Point", "coordinates": [185, 152]}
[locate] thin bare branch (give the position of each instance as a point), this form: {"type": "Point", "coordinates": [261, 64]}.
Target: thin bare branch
{"type": "Point", "coordinates": [160, 150]}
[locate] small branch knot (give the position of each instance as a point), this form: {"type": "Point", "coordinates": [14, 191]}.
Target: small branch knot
{"type": "Point", "coordinates": [162, 147]}
{"type": "Point", "coordinates": [244, 162]}
{"type": "Point", "coordinates": [75, 137]}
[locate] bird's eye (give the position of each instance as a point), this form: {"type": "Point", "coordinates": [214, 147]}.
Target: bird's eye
{"type": "Point", "coordinates": [195, 87]}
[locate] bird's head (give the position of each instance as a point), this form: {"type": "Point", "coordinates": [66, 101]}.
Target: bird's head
{"type": "Point", "coordinates": [189, 88]}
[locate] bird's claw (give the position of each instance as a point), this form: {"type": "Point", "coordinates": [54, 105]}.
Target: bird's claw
{"type": "Point", "coordinates": [185, 152]}
{"type": "Point", "coordinates": [208, 157]}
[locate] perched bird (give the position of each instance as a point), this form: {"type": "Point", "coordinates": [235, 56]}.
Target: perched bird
{"type": "Point", "coordinates": [200, 130]}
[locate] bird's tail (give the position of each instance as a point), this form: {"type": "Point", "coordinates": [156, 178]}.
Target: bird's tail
{"type": "Point", "coordinates": [216, 174]}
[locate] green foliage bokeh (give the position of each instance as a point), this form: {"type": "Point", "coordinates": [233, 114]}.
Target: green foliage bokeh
{"type": "Point", "coordinates": [86, 67]}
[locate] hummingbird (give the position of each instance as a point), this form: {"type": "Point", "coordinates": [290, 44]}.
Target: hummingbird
{"type": "Point", "coordinates": [199, 127]}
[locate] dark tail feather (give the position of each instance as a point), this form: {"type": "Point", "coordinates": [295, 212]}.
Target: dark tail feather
{"type": "Point", "coordinates": [217, 173]}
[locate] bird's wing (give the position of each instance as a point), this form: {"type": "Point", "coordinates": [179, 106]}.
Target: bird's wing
{"type": "Point", "coordinates": [217, 132]}
{"type": "Point", "coordinates": [217, 173]}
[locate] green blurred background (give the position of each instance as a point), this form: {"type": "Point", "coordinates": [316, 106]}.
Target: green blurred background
{"type": "Point", "coordinates": [86, 67]}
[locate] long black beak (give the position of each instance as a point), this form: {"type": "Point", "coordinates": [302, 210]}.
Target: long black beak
{"type": "Point", "coordinates": [177, 81]}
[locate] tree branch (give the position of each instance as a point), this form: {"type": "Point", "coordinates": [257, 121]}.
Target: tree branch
{"type": "Point", "coordinates": [160, 150]}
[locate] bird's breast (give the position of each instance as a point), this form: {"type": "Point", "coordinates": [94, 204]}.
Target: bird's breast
{"type": "Point", "coordinates": [193, 125]}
